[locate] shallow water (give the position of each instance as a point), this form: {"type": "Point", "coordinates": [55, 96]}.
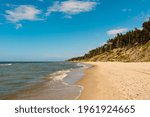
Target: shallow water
{"type": "Point", "coordinates": [40, 80]}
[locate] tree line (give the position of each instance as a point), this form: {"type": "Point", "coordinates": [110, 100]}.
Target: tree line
{"type": "Point", "coordinates": [127, 40]}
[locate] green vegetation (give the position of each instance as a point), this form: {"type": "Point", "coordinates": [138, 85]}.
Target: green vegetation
{"type": "Point", "coordinates": [132, 46]}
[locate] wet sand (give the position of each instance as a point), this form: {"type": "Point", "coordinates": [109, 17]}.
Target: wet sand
{"type": "Point", "coordinates": [116, 81]}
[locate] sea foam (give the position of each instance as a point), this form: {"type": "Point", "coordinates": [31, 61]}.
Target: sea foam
{"type": "Point", "coordinates": [59, 75]}
{"type": "Point", "coordinates": [5, 64]}
{"type": "Point", "coordinates": [84, 66]}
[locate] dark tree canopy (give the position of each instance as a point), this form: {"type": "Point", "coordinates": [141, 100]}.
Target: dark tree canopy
{"type": "Point", "coordinates": [128, 40]}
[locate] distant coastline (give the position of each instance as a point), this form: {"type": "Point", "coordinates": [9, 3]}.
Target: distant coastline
{"type": "Point", "coordinates": [121, 68]}
{"type": "Point", "coordinates": [134, 46]}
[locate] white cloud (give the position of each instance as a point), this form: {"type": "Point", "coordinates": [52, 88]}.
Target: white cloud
{"type": "Point", "coordinates": [75, 7]}
{"type": "Point", "coordinates": [116, 31]}
{"type": "Point", "coordinates": [141, 28]}
{"type": "Point", "coordinates": [22, 12]}
{"type": "Point", "coordinates": [126, 10]}
{"type": "Point", "coordinates": [54, 8]}
{"type": "Point", "coordinates": [68, 16]}
{"type": "Point", "coordinates": [142, 16]}
{"type": "Point", "coordinates": [72, 7]}
{"type": "Point", "coordinates": [18, 26]}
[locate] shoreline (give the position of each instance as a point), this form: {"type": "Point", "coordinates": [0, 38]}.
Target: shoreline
{"type": "Point", "coordinates": [57, 85]}
{"type": "Point", "coordinates": [116, 81]}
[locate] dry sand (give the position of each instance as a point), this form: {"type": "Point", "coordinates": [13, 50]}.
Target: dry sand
{"type": "Point", "coordinates": [116, 81]}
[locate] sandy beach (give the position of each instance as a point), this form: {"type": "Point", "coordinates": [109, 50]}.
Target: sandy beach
{"type": "Point", "coordinates": [116, 81]}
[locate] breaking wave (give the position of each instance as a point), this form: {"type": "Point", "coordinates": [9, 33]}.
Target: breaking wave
{"type": "Point", "coordinates": [5, 64]}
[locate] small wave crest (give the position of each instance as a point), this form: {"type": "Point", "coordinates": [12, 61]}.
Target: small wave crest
{"type": "Point", "coordinates": [5, 64]}
{"type": "Point", "coordinates": [59, 75]}
{"type": "Point", "coordinates": [82, 65]}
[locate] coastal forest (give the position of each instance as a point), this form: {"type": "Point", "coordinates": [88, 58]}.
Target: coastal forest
{"type": "Point", "coordinates": [132, 46]}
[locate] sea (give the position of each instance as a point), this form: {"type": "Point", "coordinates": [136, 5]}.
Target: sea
{"type": "Point", "coordinates": [40, 80]}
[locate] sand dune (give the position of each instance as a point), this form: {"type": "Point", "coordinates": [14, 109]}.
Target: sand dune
{"type": "Point", "coordinates": [116, 80]}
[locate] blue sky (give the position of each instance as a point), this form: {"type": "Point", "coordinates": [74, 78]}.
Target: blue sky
{"type": "Point", "coordinates": [44, 30]}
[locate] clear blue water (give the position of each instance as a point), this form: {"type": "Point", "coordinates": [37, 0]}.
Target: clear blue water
{"type": "Point", "coordinates": [28, 77]}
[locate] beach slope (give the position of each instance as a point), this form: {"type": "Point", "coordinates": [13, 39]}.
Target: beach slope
{"type": "Point", "coordinates": [116, 81]}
